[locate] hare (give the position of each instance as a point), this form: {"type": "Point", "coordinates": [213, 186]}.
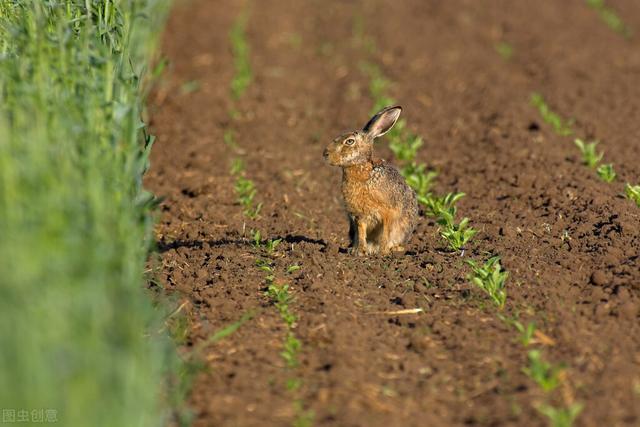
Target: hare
{"type": "Point", "coordinates": [382, 208]}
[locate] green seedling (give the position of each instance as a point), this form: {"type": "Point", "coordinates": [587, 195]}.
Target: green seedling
{"type": "Point", "coordinates": [561, 417]}
{"type": "Point", "coordinates": [280, 296]}
{"type": "Point", "coordinates": [610, 17]}
{"type": "Point", "coordinates": [229, 139]}
{"type": "Point", "coordinates": [435, 206]}
{"type": "Point", "coordinates": [418, 179]}
{"type": "Point", "coordinates": [237, 166]}
{"type": "Point", "coordinates": [606, 172]}
{"type": "Point", "coordinates": [293, 268]}
{"type": "Point", "coordinates": [491, 278]}
{"type": "Point", "coordinates": [224, 332]}
{"type": "Point", "coordinates": [404, 145]}
{"type": "Point", "coordinates": [271, 245]}
{"type": "Point", "coordinates": [240, 48]}
{"type": "Point", "coordinates": [559, 125]}
{"type": "Point", "coordinates": [546, 375]}
{"type": "Point", "coordinates": [246, 192]}
{"type": "Point", "coordinates": [526, 331]}
{"type": "Point", "coordinates": [633, 193]}
{"type": "Point", "coordinates": [505, 50]}
{"type": "Point", "coordinates": [257, 239]}
{"type": "Point", "coordinates": [590, 156]}
{"type": "Point", "coordinates": [457, 235]}
{"type": "Point", "coordinates": [266, 265]}
{"type": "Point", "coordinates": [290, 350]}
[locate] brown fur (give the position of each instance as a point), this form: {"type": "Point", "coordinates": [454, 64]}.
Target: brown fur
{"type": "Point", "coordinates": [382, 208]}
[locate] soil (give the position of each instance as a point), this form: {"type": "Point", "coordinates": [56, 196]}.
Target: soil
{"type": "Point", "coordinates": [569, 241]}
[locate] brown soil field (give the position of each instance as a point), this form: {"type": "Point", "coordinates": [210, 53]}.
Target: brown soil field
{"type": "Point", "coordinates": [570, 242]}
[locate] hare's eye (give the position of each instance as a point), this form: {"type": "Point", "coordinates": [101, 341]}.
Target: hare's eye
{"type": "Point", "coordinates": [350, 141]}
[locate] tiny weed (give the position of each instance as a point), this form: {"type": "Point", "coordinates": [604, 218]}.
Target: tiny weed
{"type": "Point", "coordinates": [491, 278]}
{"type": "Point", "coordinates": [542, 372]}
{"type": "Point", "coordinates": [505, 50]}
{"type": "Point", "coordinates": [590, 156]}
{"type": "Point", "coordinates": [606, 172]}
{"type": "Point", "coordinates": [561, 417]}
{"type": "Point", "coordinates": [610, 17]}
{"type": "Point", "coordinates": [633, 193]}
{"type": "Point", "coordinates": [559, 125]}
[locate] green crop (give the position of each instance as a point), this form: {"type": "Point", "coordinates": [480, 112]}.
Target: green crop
{"type": "Point", "coordinates": [243, 76]}
{"type": "Point", "coordinates": [505, 50]}
{"type": "Point", "coordinates": [559, 125]}
{"type": "Point", "coordinates": [78, 331]}
{"type": "Point", "coordinates": [246, 192]}
{"type": "Point", "coordinates": [491, 278]}
{"type": "Point", "coordinates": [606, 172]}
{"type": "Point", "coordinates": [546, 375]}
{"type": "Point", "coordinates": [633, 193]}
{"type": "Point", "coordinates": [610, 17]}
{"type": "Point", "coordinates": [456, 234]}
{"type": "Point", "coordinates": [561, 417]}
{"type": "Point", "coordinates": [590, 156]}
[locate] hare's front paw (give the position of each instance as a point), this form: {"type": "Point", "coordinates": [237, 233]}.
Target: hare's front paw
{"type": "Point", "coordinates": [358, 250]}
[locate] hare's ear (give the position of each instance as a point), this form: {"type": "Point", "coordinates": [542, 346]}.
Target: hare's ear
{"type": "Point", "coordinates": [382, 122]}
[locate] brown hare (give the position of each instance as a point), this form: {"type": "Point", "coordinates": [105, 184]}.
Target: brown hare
{"type": "Point", "coordinates": [382, 208]}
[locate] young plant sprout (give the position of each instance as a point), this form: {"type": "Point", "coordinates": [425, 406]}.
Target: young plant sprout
{"type": "Point", "coordinates": [590, 156]}
{"type": "Point", "coordinates": [606, 172]}
{"type": "Point", "coordinates": [633, 193]}
{"type": "Point", "coordinates": [546, 375]}
{"type": "Point", "coordinates": [491, 278]}
{"type": "Point", "coordinates": [559, 125]}
{"type": "Point", "coordinates": [561, 417]}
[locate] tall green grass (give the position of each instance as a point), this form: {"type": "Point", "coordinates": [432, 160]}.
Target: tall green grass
{"type": "Point", "coordinates": [78, 334]}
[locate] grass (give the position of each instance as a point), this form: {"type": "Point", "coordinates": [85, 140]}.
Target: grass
{"type": "Point", "coordinates": [77, 327]}
{"type": "Point", "coordinates": [610, 17]}
{"type": "Point", "coordinates": [560, 126]}
{"type": "Point", "coordinates": [632, 192]}
{"type": "Point", "coordinates": [243, 75]}
{"type": "Point", "coordinates": [546, 375]}
{"type": "Point", "coordinates": [491, 278]}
